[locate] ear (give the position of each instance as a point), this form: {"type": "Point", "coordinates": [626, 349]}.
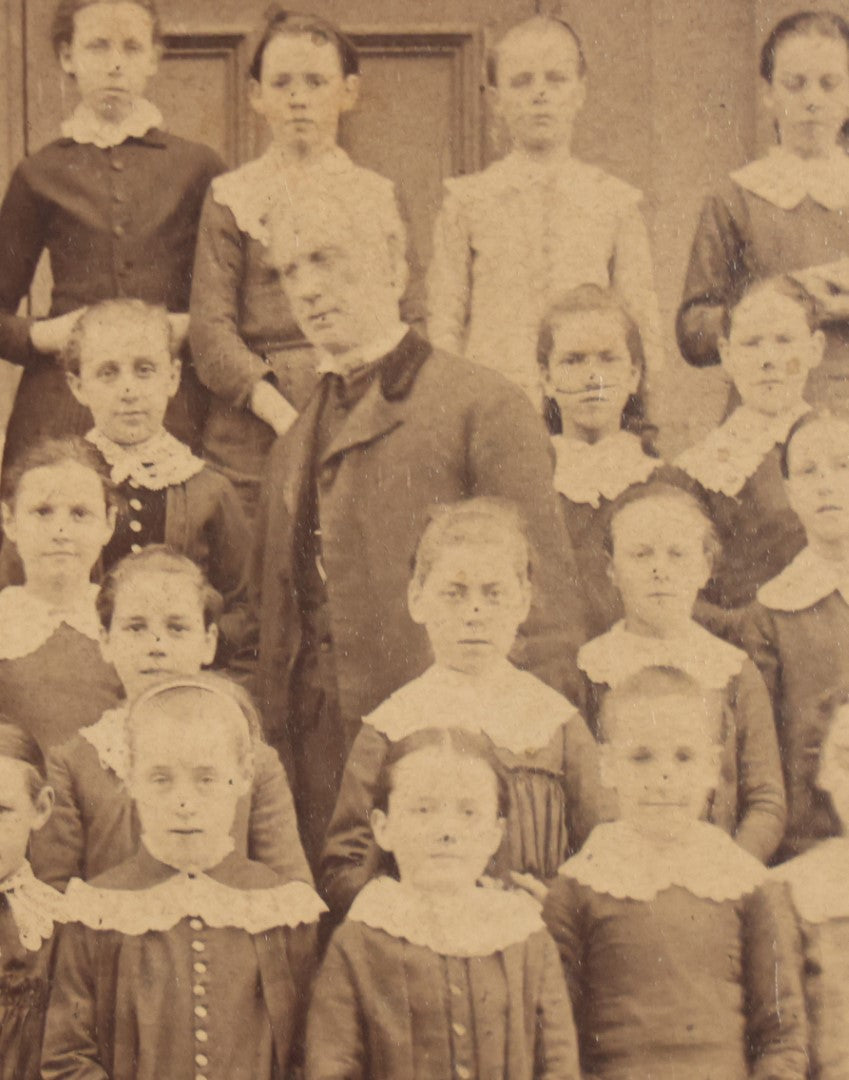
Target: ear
{"type": "Point", "coordinates": [75, 383]}
{"type": "Point", "coordinates": [817, 347]}
{"type": "Point", "coordinates": [527, 597]}
{"type": "Point", "coordinates": [415, 602]}
{"type": "Point", "coordinates": [380, 827]}
{"type": "Point", "coordinates": [635, 376]}
{"type": "Point", "coordinates": [768, 98]}
{"type": "Point", "coordinates": [606, 766]}
{"type": "Point", "coordinates": [351, 94]}
{"type": "Point", "coordinates": [111, 522]}
{"type": "Point", "coordinates": [8, 516]}
{"type": "Point", "coordinates": [211, 644]}
{"type": "Point", "coordinates": [581, 93]}
{"type": "Point", "coordinates": [723, 350]}
{"type": "Point", "coordinates": [255, 97]}
{"type": "Point", "coordinates": [65, 59]}
{"type": "Point", "coordinates": [105, 642]}
{"type": "Point", "coordinates": [176, 372]}
{"type": "Point", "coordinates": [44, 803]}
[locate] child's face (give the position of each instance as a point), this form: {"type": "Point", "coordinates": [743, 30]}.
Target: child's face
{"type": "Point", "coordinates": [442, 823]}
{"type": "Point", "coordinates": [659, 562]}
{"type": "Point", "coordinates": [661, 760]}
{"type": "Point", "coordinates": [770, 351]}
{"type": "Point", "coordinates": [186, 777]}
{"type": "Point", "coordinates": [112, 57]}
{"type": "Point", "coordinates": [302, 92]}
{"type": "Point", "coordinates": [834, 765]}
{"type": "Point", "coordinates": [590, 373]}
{"type": "Point", "coordinates": [540, 90]}
{"type": "Point", "coordinates": [127, 377]}
{"type": "Point", "coordinates": [818, 479]}
{"type": "Point", "coordinates": [59, 522]}
{"type": "Point", "coordinates": [157, 631]}
{"type": "Point", "coordinates": [471, 603]}
{"type": "Point", "coordinates": [809, 94]}
{"type": "Point", "coordinates": [20, 815]}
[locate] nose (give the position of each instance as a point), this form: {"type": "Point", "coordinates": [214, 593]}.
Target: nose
{"type": "Point", "coordinates": [116, 59]}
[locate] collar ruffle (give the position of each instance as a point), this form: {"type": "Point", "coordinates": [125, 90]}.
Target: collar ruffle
{"type": "Point", "coordinates": [27, 622]}
{"type": "Point", "coordinates": [617, 655]}
{"type": "Point", "coordinates": [35, 907]}
{"type": "Point", "coordinates": [108, 737]}
{"type": "Point", "coordinates": [729, 456]}
{"type": "Point", "coordinates": [589, 472]}
{"type": "Point", "coordinates": [479, 922]}
{"type": "Point", "coordinates": [160, 462]}
{"type": "Point", "coordinates": [619, 860]}
{"type": "Point", "coordinates": [586, 183]}
{"type": "Point", "coordinates": [804, 582]}
{"type": "Point", "coordinates": [818, 879]}
{"type": "Point", "coordinates": [85, 126]}
{"type": "Point", "coordinates": [445, 698]}
{"type": "Point", "coordinates": [786, 180]}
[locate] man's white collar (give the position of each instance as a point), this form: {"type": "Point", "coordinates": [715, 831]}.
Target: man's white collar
{"type": "Point", "coordinates": [355, 360]}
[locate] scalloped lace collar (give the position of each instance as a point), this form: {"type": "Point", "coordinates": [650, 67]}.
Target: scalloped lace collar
{"type": "Point", "coordinates": [478, 922]}
{"type": "Point", "coordinates": [85, 126]}
{"type": "Point", "coordinates": [445, 698]}
{"type": "Point", "coordinates": [108, 737]}
{"type": "Point", "coordinates": [617, 655]}
{"type": "Point", "coordinates": [729, 456]}
{"type": "Point", "coordinates": [619, 860]}
{"type": "Point", "coordinates": [589, 472]}
{"type": "Point", "coordinates": [786, 180]}
{"type": "Point", "coordinates": [818, 879]}
{"type": "Point", "coordinates": [35, 907]}
{"type": "Point", "coordinates": [158, 463]}
{"type": "Point", "coordinates": [27, 622]}
{"type": "Point", "coordinates": [804, 582]}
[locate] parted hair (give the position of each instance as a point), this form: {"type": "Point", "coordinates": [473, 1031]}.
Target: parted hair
{"type": "Point", "coordinates": [279, 21]}
{"type": "Point", "coordinates": [827, 24]}
{"type": "Point", "coordinates": [534, 23]}
{"type": "Point", "coordinates": [51, 452]}
{"type": "Point", "coordinates": [62, 28]}
{"type": "Point", "coordinates": [120, 310]}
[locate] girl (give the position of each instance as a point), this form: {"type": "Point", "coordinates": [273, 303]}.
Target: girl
{"type": "Point", "coordinates": [662, 547]}
{"type": "Point", "coordinates": [115, 202]}
{"type": "Point", "coordinates": [679, 961]}
{"type": "Point", "coordinates": [158, 620]}
{"type": "Point", "coordinates": [28, 909]}
{"type": "Point", "coordinates": [798, 628]}
{"type": "Point", "coordinates": [248, 349]}
{"type": "Point", "coordinates": [592, 366]}
{"type": "Point", "coordinates": [431, 975]}
{"type": "Point", "coordinates": [187, 957]}
{"type": "Point", "coordinates": [471, 590]}
{"type": "Point", "coordinates": [58, 509]}
{"type": "Point", "coordinates": [789, 211]}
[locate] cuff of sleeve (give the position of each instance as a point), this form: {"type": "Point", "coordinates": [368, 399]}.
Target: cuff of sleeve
{"type": "Point", "coordinates": [15, 343]}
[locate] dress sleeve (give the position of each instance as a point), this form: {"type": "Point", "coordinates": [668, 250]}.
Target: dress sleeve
{"type": "Point", "coordinates": [335, 1038]}
{"type": "Point", "coordinates": [633, 278]}
{"type": "Point", "coordinates": [587, 802]}
{"type": "Point", "coordinates": [562, 914]}
{"type": "Point", "coordinates": [228, 564]}
{"type": "Point", "coordinates": [23, 223]}
{"type": "Point", "coordinates": [71, 1048]}
{"type": "Point", "coordinates": [448, 277]}
{"type": "Point", "coordinates": [556, 1051]}
{"type": "Point", "coordinates": [758, 639]}
{"type": "Point", "coordinates": [58, 850]}
{"type": "Point", "coordinates": [273, 836]}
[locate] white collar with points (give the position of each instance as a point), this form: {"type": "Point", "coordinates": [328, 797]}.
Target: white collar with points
{"type": "Point", "coordinates": [35, 907]}
{"type": "Point", "coordinates": [617, 655]}
{"type": "Point", "coordinates": [85, 126]}
{"type": "Point", "coordinates": [818, 880]}
{"type": "Point", "coordinates": [476, 922]}
{"type": "Point", "coordinates": [27, 621]}
{"type": "Point", "coordinates": [589, 472]}
{"type": "Point", "coordinates": [158, 463]}
{"type": "Point", "coordinates": [807, 580]}
{"type": "Point", "coordinates": [357, 360]}
{"type": "Point", "coordinates": [517, 711]}
{"type": "Point", "coordinates": [619, 860]}
{"type": "Point", "coordinates": [786, 180]}
{"type": "Point", "coordinates": [108, 737]}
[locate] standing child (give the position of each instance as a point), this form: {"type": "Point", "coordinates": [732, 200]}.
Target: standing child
{"type": "Point", "coordinates": [471, 590]}
{"type": "Point", "coordinates": [679, 960]}
{"type": "Point", "coordinates": [159, 620]}
{"type": "Point", "coordinates": [509, 240]}
{"type": "Point", "coordinates": [769, 346]}
{"type": "Point", "coordinates": [28, 908]}
{"type": "Point", "coordinates": [115, 202]}
{"type": "Point", "coordinates": [662, 545]}
{"type": "Point", "coordinates": [58, 508]}
{"type": "Point", "coordinates": [187, 957]}
{"type": "Point", "coordinates": [431, 975]}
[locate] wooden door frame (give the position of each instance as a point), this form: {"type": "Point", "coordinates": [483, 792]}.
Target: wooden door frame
{"type": "Point", "coordinates": [12, 87]}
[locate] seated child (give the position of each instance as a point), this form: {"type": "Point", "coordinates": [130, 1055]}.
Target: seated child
{"type": "Point", "coordinates": [59, 509]}
{"type": "Point", "coordinates": [592, 365]}
{"type": "Point", "coordinates": [28, 909]}
{"type": "Point", "coordinates": [471, 590]}
{"type": "Point", "coordinates": [432, 975]}
{"type": "Point", "coordinates": [188, 954]}
{"type": "Point", "coordinates": [677, 955]}
{"type": "Point", "coordinates": [158, 616]}
{"type": "Point", "coordinates": [798, 629]}
{"type": "Point", "coordinates": [662, 544]}
{"type": "Point", "coordinates": [769, 346]}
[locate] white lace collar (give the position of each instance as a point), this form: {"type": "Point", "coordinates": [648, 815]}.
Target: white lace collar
{"type": "Point", "coordinates": [589, 472]}
{"type": "Point", "coordinates": [108, 737]}
{"type": "Point", "coordinates": [785, 180]}
{"type": "Point", "coordinates": [619, 654]}
{"type": "Point", "coordinates": [517, 711]}
{"type": "Point", "coordinates": [477, 922]}
{"type": "Point", "coordinates": [818, 880]}
{"type": "Point", "coordinates": [27, 621]}
{"type": "Point", "coordinates": [35, 907]}
{"type": "Point", "coordinates": [158, 463]}
{"type": "Point", "coordinates": [85, 126]}
{"type": "Point", "coordinates": [807, 580]}
{"type": "Point", "coordinates": [730, 455]}
{"type": "Point", "coordinates": [619, 860]}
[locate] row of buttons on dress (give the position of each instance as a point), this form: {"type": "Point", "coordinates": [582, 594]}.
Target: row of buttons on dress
{"type": "Point", "coordinates": [200, 968]}
{"type": "Point", "coordinates": [121, 220]}
{"type": "Point", "coordinates": [460, 1009]}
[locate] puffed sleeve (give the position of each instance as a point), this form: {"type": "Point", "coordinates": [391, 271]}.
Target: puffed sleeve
{"type": "Point", "coordinates": [759, 640]}
{"type": "Point", "coordinates": [448, 277]}
{"type": "Point", "coordinates": [273, 836]}
{"type": "Point", "coordinates": [587, 802]}
{"type": "Point", "coordinates": [71, 1049]}
{"type": "Point", "coordinates": [556, 1051]}
{"type": "Point", "coordinates": [335, 1038]}
{"type": "Point", "coordinates": [633, 278]}
{"type": "Point", "coordinates": [57, 851]}
{"type": "Point", "coordinates": [23, 220]}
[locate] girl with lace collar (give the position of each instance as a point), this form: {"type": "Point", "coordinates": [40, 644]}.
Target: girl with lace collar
{"type": "Point", "coordinates": [592, 364]}
{"type": "Point", "coordinates": [28, 908]}
{"type": "Point", "coordinates": [218, 948]}
{"type": "Point", "coordinates": [662, 547]}
{"type": "Point", "coordinates": [788, 212]}
{"type": "Point", "coordinates": [676, 953]}
{"type": "Point", "coordinates": [159, 618]}
{"type": "Point", "coordinates": [59, 509]}
{"type": "Point", "coordinates": [115, 202]}
{"type": "Point", "coordinates": [432, 974]}
{"type": "Point", "coordinates": [471, 591]}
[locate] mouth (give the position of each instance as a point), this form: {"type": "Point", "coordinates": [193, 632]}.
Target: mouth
{"type": "Point", "coordinates": [320, 318]}
{"type": "Point", "coordinates": [185, 832]}
{"type": "Point", "coordinates": [829, 508]}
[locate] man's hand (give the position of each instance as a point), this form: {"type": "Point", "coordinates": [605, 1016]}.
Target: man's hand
{"type": "Point", "coordinates": [51, 335]}
{"type": "Point", "coordinates": [269, 405]}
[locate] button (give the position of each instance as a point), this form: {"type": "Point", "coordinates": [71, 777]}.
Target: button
{"type": "Point", "coordinates": [201, 1011]}
{"type": "Point", "coordinates": [202, 1060]}
{"type": "Point", "coordinates": [198, 990]}
{"type": "Point", "coordinates": [459, 1030]}
{"type": "Point", "coordinates": [326, 646]}
{"type": "Point", "coordinates": [463, 1072]}
{"type": "Point", "coordinates": [117, 197]}
{"type": "Point", "coordinates": [455, 990]}
{"type": "Point", "coordinates": [135, 548]}
{"type": "Point", "coordinates": [117, 164]}
{"type": "Point", "coordinates": [198, 946]}
{"type": "Point", "coordinates": [118, 230]}
{"type": "Point", "coordinates": [201, 1035]}
{"type": "Point", "coordinates": [136, 504]}
{"type": "Point", "coordinates": [199, 968]}
{"type": "Point", "coordinates": [136, 526]}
